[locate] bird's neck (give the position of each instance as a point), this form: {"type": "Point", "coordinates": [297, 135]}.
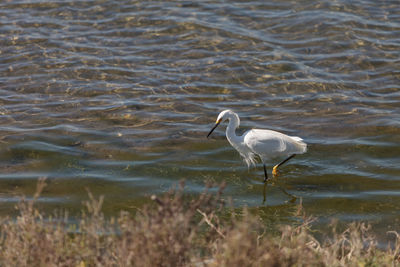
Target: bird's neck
{"type": "Point", "coordinates": [231, 133]}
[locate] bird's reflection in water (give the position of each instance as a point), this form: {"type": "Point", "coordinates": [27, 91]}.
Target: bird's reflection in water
{"type": "Point", "coordinates": [276, 182]}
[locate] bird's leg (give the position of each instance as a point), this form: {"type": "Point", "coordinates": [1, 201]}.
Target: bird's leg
{"type": "Point", "coordinates": [265, 173]}
{"type": "Point", "coordinates": [275, 171]}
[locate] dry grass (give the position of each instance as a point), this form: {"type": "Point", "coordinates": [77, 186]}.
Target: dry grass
{"type": "Point", "coordinates": [178, 231]}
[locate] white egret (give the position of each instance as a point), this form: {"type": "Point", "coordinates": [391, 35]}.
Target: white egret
{"type": "Point", "coordinates": [264, 143]}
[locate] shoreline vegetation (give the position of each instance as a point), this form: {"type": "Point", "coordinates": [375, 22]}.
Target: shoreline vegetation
{"type": "Point", "coordinates": [179, 230]}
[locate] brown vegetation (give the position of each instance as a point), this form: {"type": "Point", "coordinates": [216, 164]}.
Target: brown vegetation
{"type": "Point", "coordinates": [179, 231]}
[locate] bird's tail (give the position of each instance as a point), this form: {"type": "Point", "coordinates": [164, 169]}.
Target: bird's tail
{"type": "Point", "coordinates": [300, 144]}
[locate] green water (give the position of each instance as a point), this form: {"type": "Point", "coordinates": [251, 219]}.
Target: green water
{"type": "Point", "coordinates": [117, 98]}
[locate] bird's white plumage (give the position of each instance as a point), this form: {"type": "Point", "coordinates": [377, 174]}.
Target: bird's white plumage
{"type": "Point", "coordinates": [268, 144]}
{"type": "Point", "coordinates": [264, 143]}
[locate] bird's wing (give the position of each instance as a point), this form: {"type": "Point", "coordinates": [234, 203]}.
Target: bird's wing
{"type": "Point", "coordinates": [265, 141]}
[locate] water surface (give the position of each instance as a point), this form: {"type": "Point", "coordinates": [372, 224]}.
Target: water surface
{"type": "Point", "coordinates": [118, 96]}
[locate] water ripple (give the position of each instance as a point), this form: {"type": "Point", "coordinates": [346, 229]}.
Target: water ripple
{"type": "Point", "coordinates": [119, 98]}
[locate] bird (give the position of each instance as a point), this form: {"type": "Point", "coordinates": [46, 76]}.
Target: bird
{"type": "Point", "coordinates": [265, 144]}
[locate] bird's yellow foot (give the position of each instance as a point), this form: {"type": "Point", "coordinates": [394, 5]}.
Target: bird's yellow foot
{"type": "Point", "coordinates": [275, 171]}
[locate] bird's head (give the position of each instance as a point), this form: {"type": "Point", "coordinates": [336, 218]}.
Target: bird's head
{"type": "Point", "coordinates": [223, 116]}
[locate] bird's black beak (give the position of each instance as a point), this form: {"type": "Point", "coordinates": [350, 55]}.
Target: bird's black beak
{"type": "Point", "coordinates": [215, 126]}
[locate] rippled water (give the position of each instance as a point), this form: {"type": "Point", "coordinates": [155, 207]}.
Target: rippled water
{"type": "Point", "coordinates": [118, 96]}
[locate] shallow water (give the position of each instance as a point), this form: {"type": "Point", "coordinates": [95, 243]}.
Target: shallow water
{"type": "Point", "coordinates": [118, 97]}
